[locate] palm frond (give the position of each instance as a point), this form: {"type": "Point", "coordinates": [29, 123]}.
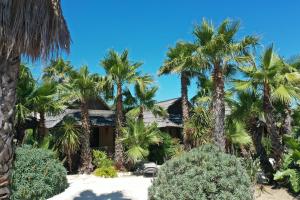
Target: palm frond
{"type": "Point", "coordinates": [33, 27]}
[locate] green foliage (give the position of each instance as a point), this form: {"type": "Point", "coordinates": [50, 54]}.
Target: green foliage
{"type": "Point", "coordinates": [143, 100]}
{"type": "Point", "coordinates": [30, 138]}
{"type": "Point", "coordinates": [291, 165]}
{"type": "Point", "coordinates": [67, 139]}
{"type": "Point", "coordinates": [106, 172]}
{"type": "Point", "coordinates": [100, 159]}
{"type": "Point", "coordinates": [181, 60]}
{"type": "Point", "coordinates": [137, 137]}
{"type": "Point", "coordinates": [168, 148]}
{"type": "Point", "coordinates": [266, 142]}
{"type": "Point", "coordinates": [201, 174]}
{"type": "Point", "coordinates": [104, 165]}
{"type": "Point", "coordinates": [84, 86]}
{"type": "Point", "coordinates": [199, 126]}
{"type": "Point", "coordinates": [58, 71]}
{"type": "Point", "coordinates": [25, 87]}
{"type": "Point", "coordinates": [237, 134]}
{"type": "Point", "coordinates": [252, 167]}
{"type": "Point", "coordinates": [37, 175]}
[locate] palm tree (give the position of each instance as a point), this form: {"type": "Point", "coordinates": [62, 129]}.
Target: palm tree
{"type": "Point", "coordinates": [83, 87]}
{"type": "Point", "coordinates": [44, 101]}
{"type": "Point", "coordinates": [181, 61]}
{"type": "Point", "coordinates": [58, 71]}
{"type": "Point", "coordinates": [68, 141]}
{"type": "Point", "coordinates": [137, 139]}
{"type": "Point", "coordinates": [144, 100]}
{"type": "Point", "coordinates": [35, 98]}
{"type": "Point", "coordinates": [220, 51]}
{"type": "Point", "coordinates": [33, 33]}
{"type": "Point", "coordinates": [122, 72]}
{"type": "Point", "coordinates": [278, 82]}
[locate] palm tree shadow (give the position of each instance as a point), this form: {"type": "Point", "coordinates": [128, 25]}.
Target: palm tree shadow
{"type": "Point", "coordinates": [90, 195]}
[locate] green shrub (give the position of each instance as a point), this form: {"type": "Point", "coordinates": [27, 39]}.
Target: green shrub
{"type": "Point", "coordinates": [107, 172]}
{"type": "Point", "coordinates": [201, 174]}
{"type": "Point", "coordinates": [100, 159]}
{"type": "Point", "coordinates": [37, 175]}
{"type": "Point", "coordinates": [104, 165]}
{"type": "Point", "coordinates": [167, 149]}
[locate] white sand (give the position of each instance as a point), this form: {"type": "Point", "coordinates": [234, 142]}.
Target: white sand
{"type": "Point", "coordinates": [89, 187]}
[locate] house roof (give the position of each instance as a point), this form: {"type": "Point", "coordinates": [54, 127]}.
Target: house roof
{"type": "Point", "coordinates": [97, 117]}
{"type": "Point", "coordinates": [174, 118]}
{"type": "Point", "coordinates": [107, 117]}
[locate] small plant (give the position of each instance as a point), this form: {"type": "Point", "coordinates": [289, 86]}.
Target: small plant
{"type": "Point", "coordinates": [106, 172]}
{"type": "Point", "coordinates": [200, 174]}
{"type": "Point", "coordinates": [104, 165]}
{"type": "Point", "coordinates": [37, 175]}
{"type": "Point", "coordinates": [100, 159]}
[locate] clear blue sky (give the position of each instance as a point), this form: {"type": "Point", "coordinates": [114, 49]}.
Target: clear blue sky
{"type": "Point", "coordinates": [148, 27]}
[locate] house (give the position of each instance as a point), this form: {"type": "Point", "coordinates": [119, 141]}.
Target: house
{"type": "Point", "coordinates": [102, 120]}
{"type": "Point", "coordinates": [171, 124]}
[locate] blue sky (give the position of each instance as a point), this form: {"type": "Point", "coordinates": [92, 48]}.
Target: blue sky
{"type": "Point", "coordinates": [148, 27]}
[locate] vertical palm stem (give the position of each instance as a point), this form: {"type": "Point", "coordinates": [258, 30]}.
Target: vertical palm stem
{"type": "Point", "coordinates": [9, 68]}
{"type": "Point", "coordinates": [86, 156]}
{"type": "Point", "coordinates": [185, 110]}
{"type": "Point", "coordinates": [119, 151]}
{"type": "Point", "coordinates": [276, 141]}
{"type": "Point", "coordinates": [218, 107]}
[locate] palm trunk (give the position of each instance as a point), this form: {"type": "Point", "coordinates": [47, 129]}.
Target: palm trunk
{"type": "Point", "coordinates": [119, 151]}
{"type": "Point", "coordinates": [218, 107]}
{"type": "Point", "coordinates": [69, 161]}
{"type": "Point", "coordinates": [86, 155]}
{"type": "Point", "coordinates": [9, 68]}
{"type": "Point", "coordinates": [277, 148]}
{"type": "Point", "coordinates": [256, 129]}
{"type": "Point", "coordinates": [287, 124]}
{"type": "Point", "coordinates": [141, 114]}
{"type": "Point", "coordinates": [42, 132]}
{"type": "Point", "coordinates": [185, 110]}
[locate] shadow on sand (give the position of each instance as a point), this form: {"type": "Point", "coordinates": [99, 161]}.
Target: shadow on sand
{"type": "Point", "coordinates": [90, 195]}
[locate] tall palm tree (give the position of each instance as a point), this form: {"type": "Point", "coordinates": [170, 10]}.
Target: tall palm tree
{"type": "Point", "coordinates": [122, 72]}
{"type": "Point", "coordinates": [278, 82]}
{"type": "Point", "coordinates": [144, 100]}
{"type": "Point", "coordinates": [34, 29]}
{"type": "Point", "coordinates": [181, 61]}
{"type": "Point", "coordinates": [219, 50]}
{"type": "Point", "coordinates": [83, 87]}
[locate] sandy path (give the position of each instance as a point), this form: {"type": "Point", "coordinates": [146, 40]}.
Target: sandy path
{"type": "Point", "coordinates": [273, 194]}
{"type": "Point", "coordinates": [89, 187]}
